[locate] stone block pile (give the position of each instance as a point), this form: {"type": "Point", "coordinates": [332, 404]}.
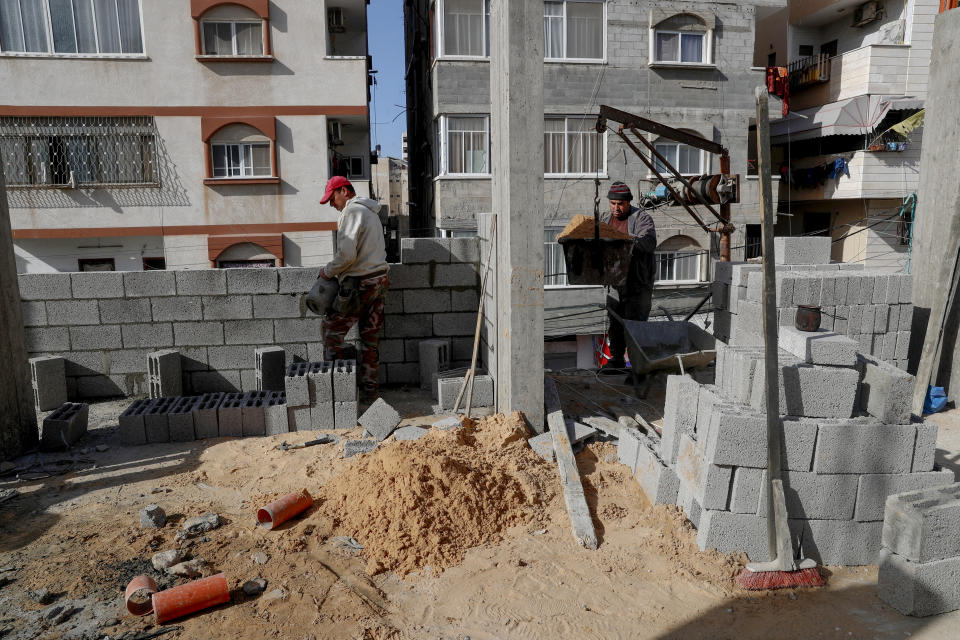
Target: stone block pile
{"type": "Point", "coordinates": [849, 442]}
{"type": "Point", "coordinates": [322, 395]}
{"type": "Point", "coordinates": [873, 308]}
{"type": "Point", "coordinates": [920, 558]}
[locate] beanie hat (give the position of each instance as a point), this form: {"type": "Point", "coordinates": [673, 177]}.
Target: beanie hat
{"type": "Point", "coordinates": [619, 191]}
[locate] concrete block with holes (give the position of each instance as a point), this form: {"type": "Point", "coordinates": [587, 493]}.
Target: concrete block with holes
{"type": "Point", "coordinates": [434, 356]}
{"type": "Point", "coordinates": [252, 418]}
{"type": "Point", "coordinates": [49, 381]}
{"type": "Point", "coordinates": [164, 374]}
{"type": "Point", "coordinates": [64, 426]}
{"type": "Point", "coordinates": [230, 415]}
{"type": "Point", "coordinates": [270, 366]}
{"type": "Point", "coordinates": [922, 526]}
{"type": "Point", "coordinates": [679, 415]}
{"type": "Point", "coordinates": [132, 431]}
{"type": "Point", "coordinates": [181, 419]}
{"type": "Point", "coordinates": [296, 384]}
{"type": "Point", "coordinates": [874, 489]}
{"type": "Point", "coordinates": [155, 420]}
{"type": "Point", "coordinates": [320, 382]}
{"type": "Point", "coordinates": [344, 374]}
{"type": "Point", "coordinates": [205, 421]}
{"type": "Point", "coordinates": [275, 417]}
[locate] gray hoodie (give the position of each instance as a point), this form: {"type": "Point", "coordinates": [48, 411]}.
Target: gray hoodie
{"type": "Point", "coordinates": [360, 246]}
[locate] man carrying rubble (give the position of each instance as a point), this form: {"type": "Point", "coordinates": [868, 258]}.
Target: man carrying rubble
{"type": "Point", "coordinates": [636, 293]}
{"type": "Point", "coordinates": [360, 266]}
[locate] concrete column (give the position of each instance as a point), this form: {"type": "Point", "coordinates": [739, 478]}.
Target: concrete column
{"type": "Point", "coordinates": [18, 420]}
{"type": "Point", "coordinates": [938, 204]}
{"type": "Point", "coordinates": [516, 126]}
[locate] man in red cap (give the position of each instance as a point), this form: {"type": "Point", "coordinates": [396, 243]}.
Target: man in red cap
{"type": "Point", "coordinates": [360, 265]}
{"type": "Point", "coordinates": [636, 294]}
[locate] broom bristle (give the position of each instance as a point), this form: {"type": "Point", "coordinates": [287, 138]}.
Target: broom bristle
{"type": "Point", "coordinates": [763, 580]}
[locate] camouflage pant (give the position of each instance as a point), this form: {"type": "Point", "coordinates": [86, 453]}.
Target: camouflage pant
{"type": "Point", "coordinates": [371, 296]}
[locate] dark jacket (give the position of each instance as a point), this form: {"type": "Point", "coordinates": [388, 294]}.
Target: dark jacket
{"type": "Point", "coordinates": [642, 260]}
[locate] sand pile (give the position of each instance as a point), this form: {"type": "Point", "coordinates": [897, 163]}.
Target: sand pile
{"type": "Point", "coordinates": [424, 503]}
{"type": "Point", "coordinates": [582, 227]}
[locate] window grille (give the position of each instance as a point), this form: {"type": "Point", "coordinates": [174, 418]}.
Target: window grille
{"type": "Point", "coordinates": [49, 152]}
{"type": "Point", "coordinates": [678, 266]}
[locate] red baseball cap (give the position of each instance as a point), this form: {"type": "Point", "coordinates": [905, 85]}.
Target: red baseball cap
{"type": "Point", "coordinates": [333, 184]}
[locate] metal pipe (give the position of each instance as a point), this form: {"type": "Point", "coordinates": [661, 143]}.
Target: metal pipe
{"type": "Point", "coordinates": [727, 231]}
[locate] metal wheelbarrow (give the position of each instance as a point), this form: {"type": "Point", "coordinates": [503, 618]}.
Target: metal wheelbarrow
{"type": "Point", "coordinates": [670, 346]}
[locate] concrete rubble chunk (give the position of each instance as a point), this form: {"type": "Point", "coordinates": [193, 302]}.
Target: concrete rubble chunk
{"type": "Point", "coordinates": [255, 586]}
{"type": "Point", "coordinates": [409, 433]}
{"type": "Point", "coordinates": [542, 445]}
{"type": "Point", "coordinates": [355, 447]}
{"type": "Point", "coordinates": [380, 419]}
{"type": "Point", "coordinates": [448, 423]}
{"type": "Point", "coordinates": [165, 559]}
{"type": "Point", "coordinates": [188, 569]}
{"type": "Point", "coordinates": [202, 524]}
{"type": "Point", "coordinates": [259, 557]}
{"type": "Point", "coordinates": [152, 516]}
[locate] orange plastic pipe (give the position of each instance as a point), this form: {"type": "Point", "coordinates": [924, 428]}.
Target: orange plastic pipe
{"type": "Point", "coordinates": [283, 509]}
{"type": "Point", "coordinates": [140, 583]}
{"type": "Point", "coordinates": [193, 596]}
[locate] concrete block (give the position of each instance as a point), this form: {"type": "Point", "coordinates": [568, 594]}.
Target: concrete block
{"type": "Point", "coordinates": [902, 349]}
{"type": "Point", "coordinates": [74, 312]}
{"type": "Point", "coordinates": [132, 431]}
{"type": "Point", "coordinates": [424, 250]}
{"type": "Point", "coordinates": [270, 363]}
{"type": "Point", "coordinates": [818, 347]}
{"type": "Point", "coordinates": [841, 317]}
{"type": "Point", "coordinates": [723, 271]}
{"type": "Point", "coordinates": [688, 502]}
{"type": "Point", "coordinates": [164, 373]}
{"type": "Point", "coordinates": [464, 300]}
{"type": "Point", "coordinates": [734, 532]}
{"type": "Point", "coordinates": [205, 421]}
{"type": "Point", "coordinates": [356, 447]}
{"type": "Point", "coordinates": [874, 489]}
{"type": "Point", "coordinates": [298, 280]}
{"type": "Point", "coordinates": [816, 496]}
{"type": "Point", "coordinates": [839, 542]}
{"type": "Point", "coordinates": [542, 445]}
{"type": "Point", "coordinates": [455, 275]}
{"type": "Point", "coordinates": [868, 319]}
{"type": "Point", "coordinates": [34, 314]}
{"type": "Point", "coordinates": [380, 419]}
{"type": "Point", "coordinates": [251, 280]}
{"type": "Point", "coordinates": [155, 420]}
{"type": "Point", "coordinates": [922, 525]}
{"type": "Point", "coordinates": [64, 426]}
{"type": "Point", "coordinates": [230, 415]}
{"type": "Point", "coordinates": [345, 414]}
{"type": "Point", "coordinates": [709, 483]}
{"type": "Point", "coordinates": [819, 392]}
{"type": "Point", "coordinates": [104, 284]}
{"type": "Point", "coordinates": [180, 419]}
{"type": "Point", "coordinates": [893, 289]}
{"type": "Point", "coordinates": [886, 392]}
{"type": "Point", "coordinates": [282, 305]}
{"type": "Point", "coordinates": [851, 266]}
{"type": "Point", "coordinates": [465, 250]}
{"type": "Point", "coordinates": [880, 316]}
{"type": "Point", "coordinates": [449, 373]}
{"type": "Point", "coordinates": [227, 308]}
{"type": "Point", "coordinates": [906, 289]}
{"type": "Point", "coordinates": [735, 436]}
{"type": "Point", "coordinates": [794, 250]}
{"type": "Point", "coordinates": [296, 384]}
{"type": "Point", "coordinates": [863, 446]}
{"type": "Point", "coordinates": [344, 375]}
{"type": "Point", "coordinates": [409, 276]}
{"type": "Point", "coordinates": [916, 589]}
{"type": "Point", "coordinates": [408, 434]}
{"type": "Point", "coordinates": [201, 282]}
{"type": "Point", "coordinates": [880, 284]}
{"type": "Point", "coordinates": [840, 291]}
{"type": "Point", "coordinates": [323, 416]}
{"type": "Point", "coordinates": [855, 321]}
{"type": "Point", "coordinates": [828, 318]}
{"type": "Point", "coordinates": [680, 413]}
{"type": "Point", "coordinates": [145, 284]}
{"type": "Point", "coordinates": [658, 481]}
{"type": "Point", "coordinates": [98, 337]}
{"type": "Point", "coordinates": [48, 377]}
{"type": "Point", "coordinates": [628, 448]}
{"type": "Point", "coordinates": [707, 399]}
{"type": "Point", "coordinates": [179, 308]}
{"type": "Point", "coordinates": [745, 490]}
{"type": "Point", "coordinates": [142, 336]}
{"type": "Point", "coordinates": [888, 349]}
{"type": "Point", "coordinates": [417, 325]}
{"type": "Point", "coordinates": [405, 373]}
{"type": "Point", "coordinates": [867, 285]}
{"type": "Point", "coordinates": [799, 439]}
{"type": "Point", "coordinates": [299, 329]}
{"type": "Point", "coordinates": [808, 290]}
{"type": "Point", "coordinates": [245, 332]}
{"type": "Point", "coordinates": [454, 324]}
{"type": "Point", "coordinates": [925, 446]}
{"type": "Point", "coordinates": [107, 386]}
{"type": "Point", "coordinates": [116, 311]}
{"type": "Point", "coordinates": [252, 414]}
{"type": "Point", "coordinates": [426, 300]}
{"type": "Point", "coordinates": [299, 418]}
{"type": "Point", "coordinates": [44, 286]}
{"type": "Point", "coordinates": [392, 351]}
{"type": "Point", "coordinates": [433, 356]}
{"type": "Point", "coordinates": [739, 273]}
{"type": "Point", "coordinates": [232, 357]}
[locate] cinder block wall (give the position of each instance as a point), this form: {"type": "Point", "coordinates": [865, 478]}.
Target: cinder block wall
{"type": "Point", "coordinates": [105, 324]}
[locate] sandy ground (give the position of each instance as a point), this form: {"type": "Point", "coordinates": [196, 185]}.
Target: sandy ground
{"type": "Point", "coordinates": [74, 530]}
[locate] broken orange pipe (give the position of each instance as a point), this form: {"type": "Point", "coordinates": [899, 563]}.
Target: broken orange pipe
{"type": "Point", "coordinates": [279, 511]}
{"type": "Point", "coordinates": [138, 584]}
{"type": "Point", "coordinates": [193, 596]}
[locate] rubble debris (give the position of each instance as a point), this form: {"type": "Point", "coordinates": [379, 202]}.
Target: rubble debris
{"type": "Point", "coordinates": [276, 594]}
{"type": "Point", "coordinates": [200, 524]}
{"type": "Point", "coordinates": [347, 542]}
{"type": "Point", "coordinates": [165, 559]}
{"type": "Point", "coordinates": [260, 557]}
{"type": "Point", "coordinates": [354, 447]}
{"type": "Point", "coordinates": [254, 587]}
{"type": "Point", "coordinates": [448, 423]}
{"type": "Point", "coordinates": [188, 569]}
{"type": "Point", "coordinates": [152, 516]}
{"type": "Point", "coordinates": [42, 596]}
{"type": "Point", "coordinates": [409, 433]}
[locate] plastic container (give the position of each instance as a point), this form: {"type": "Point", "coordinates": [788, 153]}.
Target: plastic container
{"type": "Point", "coordinates": [279, 511]}
{"type": "Point", "coordinates": [138, 585]}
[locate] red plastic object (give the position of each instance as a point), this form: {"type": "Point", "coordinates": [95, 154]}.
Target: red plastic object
{"type": "Point", "coordinates": [193, 596]}
{"type": "Point", "coordinates": [283, 509]}
{"type": "Point", "coordinates": [140, 583]}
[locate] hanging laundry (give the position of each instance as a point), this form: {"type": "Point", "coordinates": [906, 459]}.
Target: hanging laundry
{"type": "Point", "coordinates": [839, 167]}
{"type": "Point", "coordinates": [778, 84]}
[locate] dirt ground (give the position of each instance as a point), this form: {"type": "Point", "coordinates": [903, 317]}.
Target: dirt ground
{"type": "Point", "coordinates": [74, 530]}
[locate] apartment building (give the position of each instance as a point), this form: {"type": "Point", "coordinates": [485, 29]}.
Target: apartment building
{"type": "Point", "coordinates": [389, 177]}
{"type": "Point", "coordinates": [688, 65]}
{"type": "Point", "coordinates": [179, 134]}
{"type": "Point", "coordinates": [848, 150]}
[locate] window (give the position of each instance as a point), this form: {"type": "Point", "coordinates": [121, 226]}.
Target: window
{"type": "Point", "coordinates": [678, 260]}
{"type": "Point", "coordinates": [681, 39]}
{"type": "Point", "coordinates": [685, 159]}
{"type": "Point", "coordinates": [355, 167]}
{"type": "Point", "coordinates": [241, 160]}
{"type": "Point", "coordinates": [753, 242]}
{"type": "Point", "coordinates": [465, 28]}
{"type": "Point", "coordinates": [96, 264]}
{"type": "Point", "coordinates": [829, 49]}
{"type": "Point", "coordinates": [572, 146]}
{"type": "Point", "coordinates": [805, 50]}
{"type": "Point", "coordinates": [554, 266]}
{"type": "Point", "coordinates": [78, 151]}
{"type": "Point", "coordinates": [232, 38]}
{"type": "Point", "coordinates": [466, 144]}
{"type": "Point", "coordinates": [154, 264]}
{"type": "Point", "coordinates": [71, 26]}
{"type": "Point", "coordinates": [573, 30]}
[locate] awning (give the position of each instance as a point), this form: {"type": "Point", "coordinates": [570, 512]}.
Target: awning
{"type": "Point", "coordinates": [850, 117]}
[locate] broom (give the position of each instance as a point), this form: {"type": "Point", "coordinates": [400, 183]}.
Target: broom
{"type": "Point", "coordinates": [783, 571]}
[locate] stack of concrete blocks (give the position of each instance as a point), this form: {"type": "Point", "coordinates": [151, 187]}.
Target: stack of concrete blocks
{"type": "Point", "coordinates": [434, 357]}
{"type": "Point", "coordinates": [920, 558]}
{"type": "Point", "coordinates": [105, 324]}
{"type": "Point", "coordinates": [322, 395]}
{"type": "Point", "coordinates": [49, 381]}
{"type": "Point", "coordinates": [849, 442]}
{"type": "Point", "coordinates": [64, 426]}
{"type": "Point", "coordinates": [873, 308]}
{"type": "Point", "coordinates": [271, 363]}
{"type": "Point", "coordinates": [164, 375]}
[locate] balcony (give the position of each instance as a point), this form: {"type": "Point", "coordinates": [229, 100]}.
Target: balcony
{"type": "Point", "coordinates": [873, 174]}
{"type": "Point", "coordinates": [878, 69]}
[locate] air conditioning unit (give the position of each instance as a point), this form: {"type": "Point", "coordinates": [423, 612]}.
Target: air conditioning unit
{"type": "Point", "coordinates": [867, 13]}
{"type": "Point", "coordinates": [336, 132]}
{"type": "Point", "coordinates": [335, 20]}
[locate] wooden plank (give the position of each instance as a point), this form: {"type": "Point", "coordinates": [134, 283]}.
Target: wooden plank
{"type": "Point", "coordinates": [580, 519]}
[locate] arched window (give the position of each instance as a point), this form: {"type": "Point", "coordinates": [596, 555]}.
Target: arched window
{"type": "Point", "coordinates": [682, 39]}
{"type": "Point", "coordinates": [678, 260]}
{"type": "Point", "coordinates": [240, 150]}
{"type": "Point", "coordinates": [234, 29]}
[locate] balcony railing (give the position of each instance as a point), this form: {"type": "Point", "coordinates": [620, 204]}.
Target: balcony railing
{"type": "Point", "coordinates": [809, 71]}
